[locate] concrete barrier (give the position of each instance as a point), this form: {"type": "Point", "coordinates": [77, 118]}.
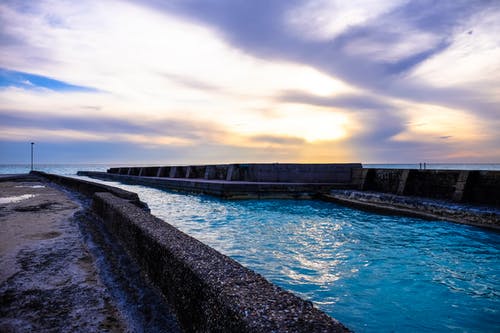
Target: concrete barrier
{"type": "Point", "coordinates": [89, 188]}
{"type": "Point", "coordinates": [225, 189]}
{"type": "Point", "coordinates": [475, 187]}
{"type": "Point", "coordinates": [253, 172]}
{"type": "Point", "coordinates": [461, 186]}
{"type": "Point", "coordinates": [209, 291]}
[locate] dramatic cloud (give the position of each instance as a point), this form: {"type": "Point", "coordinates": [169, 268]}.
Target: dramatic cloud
{"type": "Point", "coordinates": [264, 80]}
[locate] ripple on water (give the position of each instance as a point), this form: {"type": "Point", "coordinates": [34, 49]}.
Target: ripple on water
{"type": "Point", "coordinates": [374, 273]}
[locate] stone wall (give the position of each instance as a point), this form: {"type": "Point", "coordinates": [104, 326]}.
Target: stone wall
{"type": "Point", "coordinates": [437, 184]}
{"type": "Point", "coordinates": [223, 188]}
{"type": "Point", "coordinates": [209, 291]}
{"type": "Point", "coordinates": [475, 187]}
{"type": "Point", "coordinates": [383, 180]}
{"type": "Point", "coordinates": [254, 172]}
{"type": "Point", "coordinates": [483, 187]}
{"type": "Point", "coordinates": [89, 188]}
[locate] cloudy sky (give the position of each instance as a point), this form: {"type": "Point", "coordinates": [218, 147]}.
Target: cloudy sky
{"type": "Point", "coordinates": [198, 81]}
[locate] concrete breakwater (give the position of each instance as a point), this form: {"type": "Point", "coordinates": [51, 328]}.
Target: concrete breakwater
{"type": "Point", "coordinates": [239, 181]}
{"type": "Point", "coordinates": [208, 291]}
{"type": "Point", "coordinates": [253, 172]}
{"type": "Point", "coordinates": [273, 180]}
{"type": "Point", "coordinates": [465, 186]}
{"type": "Point", "coordinates": [463, 196]}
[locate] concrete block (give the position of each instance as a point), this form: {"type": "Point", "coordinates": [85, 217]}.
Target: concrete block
{"type": "Point", "coordinates": [402, 182]}
{"type": "Point", "coordinates": [209, 172]}
{"type": "Point", "coordinates": [209, 291]}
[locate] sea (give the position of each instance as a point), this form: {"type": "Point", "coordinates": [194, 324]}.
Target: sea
{"type": "Point", "coordinates": [372, 272]}
{"type": "Point", "coordinates": [71, 169]}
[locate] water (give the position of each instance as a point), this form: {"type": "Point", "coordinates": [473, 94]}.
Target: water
{"type": "Point", "coordinates": [18, 198]}
{"type": "Point", "coordinates": [60, 169]}
{"type": "Point", "coordinates": [374, 273]}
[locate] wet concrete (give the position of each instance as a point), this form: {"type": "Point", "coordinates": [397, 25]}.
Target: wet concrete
{"type": "Point", "coordinates": [54, 276]}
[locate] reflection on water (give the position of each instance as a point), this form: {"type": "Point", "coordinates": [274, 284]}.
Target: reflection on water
{"type": "Point", "coordinates": [374, 273]}
{"type": "Point", "coordinates": [30, 186]}
{"type": "Point", "coordinates": [7, 200]}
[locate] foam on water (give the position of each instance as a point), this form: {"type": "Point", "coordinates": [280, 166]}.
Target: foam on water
{"type": "Point", "coordinates": [18, 198]}
{"type": "Point", "coordinates": [374, 273]}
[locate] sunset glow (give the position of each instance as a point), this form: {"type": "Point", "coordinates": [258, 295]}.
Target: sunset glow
{"type": "Point", "coordinates": [263, 81]}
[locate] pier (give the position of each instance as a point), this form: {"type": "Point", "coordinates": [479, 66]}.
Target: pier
{"type": "Point", "coordinates": [463, 196]}
{"type": "Point", "coordinates": [205, 290]}
{"type": "Point", "coordinates": [240, 181]}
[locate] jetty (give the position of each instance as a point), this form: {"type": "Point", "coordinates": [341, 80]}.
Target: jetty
{"type": "Point", "coordinates": [239, 181]}
{"type": "Point", "coordinates": [81, 256]}
{"type": "Point", "coordinates": [463, 196]}
{"type": "Point", "coordinates": [78, 255]}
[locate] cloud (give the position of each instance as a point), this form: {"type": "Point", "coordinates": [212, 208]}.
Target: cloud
{"type": "Point", "coordinates": [237, 74]}
{"type": "Point", "coordinates": [474, 51]}
{"type": "Point", "coordinates": [278, 140]}
{"type": "Point", "coordinates": [325, 20]}
{"type": "Point", "coordinates": [384, 42]}
{"type": "Point", "coordinates": [23, 125]}
{"type": "Point", "coordinates": [346, 101]}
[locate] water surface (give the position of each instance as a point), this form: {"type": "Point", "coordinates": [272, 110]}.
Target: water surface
{"type": "Point", "coordinates": [374, 273]}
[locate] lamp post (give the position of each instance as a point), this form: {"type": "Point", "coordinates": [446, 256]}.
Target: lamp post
{"type": "Point", "coordinates": [32, 155]}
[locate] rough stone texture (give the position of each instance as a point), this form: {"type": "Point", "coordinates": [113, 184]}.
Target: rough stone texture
{"type": "Point", "coordinates": [89, 188]}
{"type": "Point", "coordinates": [475, 187]}
{"type": "Point", "coordinates": [209, 291]}
{"type": "Point", "coordinates": [149, 171]}
{"type": "Point", "coordinates": [195, 171]}
{"type": "Point", "coordinates": [438, 184]}
{"type": "Point", "coordinates": [420, 207]}
{"type": "Point", "coordinates": [483, 187]}
{"type": "Point", "coordinates": [297, 173]}
{"type": "Point", "coordinates": [383, 180]}
{"type": "Point", "coordinates": [254, 172]}
{"type": "Point", "coordinates": [226, 189]}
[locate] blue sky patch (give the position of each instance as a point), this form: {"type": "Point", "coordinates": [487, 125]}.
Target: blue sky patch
{"type": "Point", "coordinates": [10, 78]}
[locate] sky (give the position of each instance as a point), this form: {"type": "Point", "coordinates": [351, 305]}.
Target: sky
{"type": "Point", "coordinates": [233, 81]}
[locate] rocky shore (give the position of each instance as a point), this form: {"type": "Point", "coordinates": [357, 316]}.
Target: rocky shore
{"type": "Point", "coordinates": [433, 209]}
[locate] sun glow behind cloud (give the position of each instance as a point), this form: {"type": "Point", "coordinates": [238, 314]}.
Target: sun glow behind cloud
{"type": "Point", "coordinates": [135, 58]}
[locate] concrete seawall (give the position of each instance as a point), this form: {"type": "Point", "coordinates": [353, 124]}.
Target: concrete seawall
{"type": "Point", "coordinates": [253, 172]}
{"type": "Point", "coordinates": [209, 291]}
{"type": "Point", "coordinates": [239, 181]}
{"type": "Point", "coordinates": [462, 196]}
{"type": "Point", "coordinates": [89, 188]}
{"type": "Point", "coordinates": [464, 186]}
{"type": "Point", "coordinates": [306, 180]}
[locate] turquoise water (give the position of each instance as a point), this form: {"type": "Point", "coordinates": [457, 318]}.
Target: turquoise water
{"type": "Point", "coordinates": [372, 272]}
